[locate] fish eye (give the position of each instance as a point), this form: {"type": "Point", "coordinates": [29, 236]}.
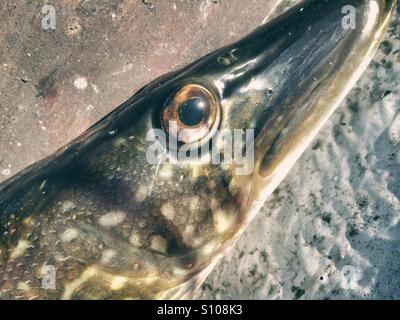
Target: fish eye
{"type": "Point", "coordinates": [194, 111]}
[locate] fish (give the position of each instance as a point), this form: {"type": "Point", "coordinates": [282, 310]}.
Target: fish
{"type": "Point", "coordinates": [145, 203]}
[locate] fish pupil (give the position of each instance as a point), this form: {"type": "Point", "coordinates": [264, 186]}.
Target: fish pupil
{"type": "Point", "coordinates": [192, 111]}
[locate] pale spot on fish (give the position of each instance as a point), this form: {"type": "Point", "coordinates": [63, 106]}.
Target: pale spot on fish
{"type": "Point", "coordinates": [120, 142]}
{"type": "Point", "coordinates": [107, 256]}
{"type": "Point", "coordinates": [136, 266]}
{"type": "Point", "coordinates": [187, 234]}
{"type": "Point", "coordinates": [222, 221]}
{"type": "Point", "coordinates": [158, 244]}
{"type": "Point", "coordinates": [23, 286]}
{"type": "Point", "coordinates": [150, 280]}
{"type": "Point", "coordinates": [214, 204]}
{"type": "Point", "coordinates": [194, 203]}
{"type": "Point", "coordinates": [233, 186]}
{"type": "Point", "coordinates": [20, 249]}
{"type": "Point", "coordinates": [195, 172]}
{"type": "Point", "coordinates": [141, 194]}
{"type": "Point", "coordinates": [75, 285]}
{"type": "Point", "coordinates": [112, 219]}
{"type": "Point", "coordinates": [118, 283]}
{"type": "Point", "coordinates": [67, 206]}
{"type": "Point", "coordinates": [28, 221]}
{"type": "Point", "coordinates": [168, 211]}
{"type": "Point", "coordinates": [166, 172]}
{"type": "Point", "coordinates": [209, 248]}
{"type": "Point", "coordinates": [69, 235]}
{"type": "Point", "coordinates": [212, 184]}
{"type": "Point", "coordinates": [180, 272]}
{"type": "Point", "coordinates": [134, 239]}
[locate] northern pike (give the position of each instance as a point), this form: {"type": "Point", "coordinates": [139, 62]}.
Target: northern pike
{"type": "Point", "coordinates": [98, 220]}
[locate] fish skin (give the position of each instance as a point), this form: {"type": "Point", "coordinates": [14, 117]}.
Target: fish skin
{"type": "Point", "coordinates": [89, 210]}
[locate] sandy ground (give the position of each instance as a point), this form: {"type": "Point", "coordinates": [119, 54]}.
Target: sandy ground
{"type": "Point", "coordinates": [330, 231]}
